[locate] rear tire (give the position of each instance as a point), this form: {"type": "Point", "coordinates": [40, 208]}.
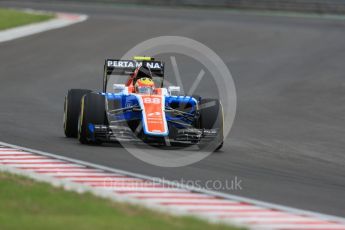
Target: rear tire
{"type": "Point", "coordinates": [92, 112]}
{"type": "Point", "coordinates": [72, 110]}
{"type": "Point", "coordinates": [211, 117]}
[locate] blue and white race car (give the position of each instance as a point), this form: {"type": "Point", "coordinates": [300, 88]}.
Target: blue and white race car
{"type": "Point", "coordinates": [134, 105]}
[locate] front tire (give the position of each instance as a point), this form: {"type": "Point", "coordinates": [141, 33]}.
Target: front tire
{"type": "Point", "coordinates": [211, 117]}
{"type": "Point", "coordinates": [72, 110]}
{"type": "Point", "coordinates": [92, 112]}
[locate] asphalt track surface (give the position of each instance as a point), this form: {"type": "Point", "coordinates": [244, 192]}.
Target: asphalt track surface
{"type": "Point", "coordinates": [288, 139]}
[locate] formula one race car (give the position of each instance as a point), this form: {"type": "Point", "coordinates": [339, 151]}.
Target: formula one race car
{"type": "Point", "coordinates": [134, 105]}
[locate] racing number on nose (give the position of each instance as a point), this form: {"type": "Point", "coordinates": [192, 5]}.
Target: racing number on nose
{"type": "Point", "coordinates": [150, 100]}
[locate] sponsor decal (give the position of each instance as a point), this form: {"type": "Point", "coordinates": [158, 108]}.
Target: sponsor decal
{"type": "Point", "coordinates": [154, 114]}
{"type": "Point", "coordinates": [133, 64]}
{"type": "Point", "coordinates": [128, 104]}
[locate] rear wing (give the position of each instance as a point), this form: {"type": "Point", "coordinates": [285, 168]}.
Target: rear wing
{"type": "Point", "coordinates": [127, 67]}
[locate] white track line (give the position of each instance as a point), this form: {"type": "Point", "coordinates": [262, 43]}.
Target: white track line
{"type": "Point", "coordinates": [30, 161]}
{"type": "Point", "coordinates": [77, 170]}
{"type": "Point", "coordinates": [160, 194]}
{"type": "Point", "coordinates": [14, 153]}
{"type": "Point", "coordinates": [300, 226]}
{"type": "Point", "coordinates": [107, 180]}
{"type": "Point", "coordinates": [41, 166]}
{"type": "Point", "coordinates": [16, 157]}
{"type": "Point", "coordinates": [61, 20]}
{"type": "Point", "coordinates": [171, 196]}
{"type": "Point", "coordinates": [209, 201]}
{"type": "Point", "coordinates": [84, 174]}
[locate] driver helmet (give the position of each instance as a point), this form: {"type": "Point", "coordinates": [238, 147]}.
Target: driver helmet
{"type": "Point", "coordinates": [144, 85]}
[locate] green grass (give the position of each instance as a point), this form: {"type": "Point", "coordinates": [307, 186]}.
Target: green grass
{"type": "Point", "coordinates": [26, 204]}
{"type": "Point", "coordinates": [11, 18]}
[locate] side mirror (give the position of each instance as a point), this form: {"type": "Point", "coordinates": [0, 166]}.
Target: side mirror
{"type": "Point", "coordinates": [119, 88]}
{"type": "Point", "coordinates": [174, 90]}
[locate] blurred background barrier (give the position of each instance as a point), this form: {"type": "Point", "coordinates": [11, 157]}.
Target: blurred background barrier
{"type": "Point", "coordinates": [312, 6]}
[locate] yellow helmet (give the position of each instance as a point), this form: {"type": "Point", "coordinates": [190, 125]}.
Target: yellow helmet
{"type": "Point", "coordinates": [144, 85]}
